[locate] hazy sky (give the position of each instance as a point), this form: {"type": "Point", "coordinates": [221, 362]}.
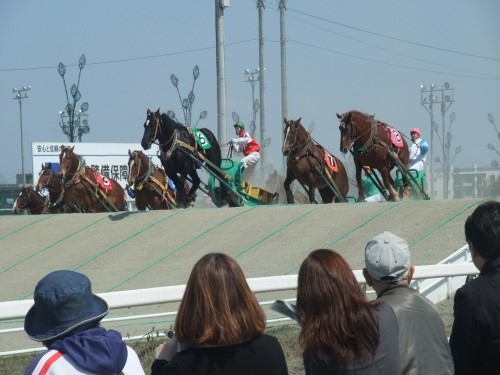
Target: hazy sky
{"type": "Point", "coordinates": [341, 55]}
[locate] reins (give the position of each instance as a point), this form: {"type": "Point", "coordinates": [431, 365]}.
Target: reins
{"type": "Point", "coordinates": [158, 126]}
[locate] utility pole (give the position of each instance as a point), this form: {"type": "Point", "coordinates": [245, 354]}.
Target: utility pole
{"type": "Point", "coordinates": [263, 137]}
{"type": "Point", "coordinates": [284, 84]}
{"type": "Point", "coordinates": [220, 5]}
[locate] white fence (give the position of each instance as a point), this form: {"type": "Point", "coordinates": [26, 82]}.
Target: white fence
{"type": "Point", "coordinates": [436, 282]}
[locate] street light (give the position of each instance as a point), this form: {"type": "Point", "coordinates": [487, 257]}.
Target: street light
{"type": "Point", "coordinates": [253, 76]}
{"type": "Point", "coordinates": [492, 120]}
{"type": "Point", "coordinates": [19, 95]}
{"type": "Point", "coordinates": [68, 127]}
{"type": "Point", "coordinates": [446, 99]}
{"type": "Point", "coordinates": [80, 123]}
{"type": "Point", "coordinates": [186, 103]}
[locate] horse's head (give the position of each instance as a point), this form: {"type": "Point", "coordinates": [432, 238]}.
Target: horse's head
{"type": "Point", "coordinates": [345, 128]}
{"type": "Point", "coordinates": [46, 178]}
{"type": "Point", "coordinates": [151, 128]}
{"type": "Point", "coordinates": [291, 136]}
{"type": "Point", "coordinates": [23, 200]}
{"type": "Point", "coordinates": [68, 161]}
{"type": "Point", "coordinates": [136, 169]}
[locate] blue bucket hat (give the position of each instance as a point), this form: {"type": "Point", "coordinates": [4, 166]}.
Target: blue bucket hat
{"type": "Point", "coordinates": [63, 303]}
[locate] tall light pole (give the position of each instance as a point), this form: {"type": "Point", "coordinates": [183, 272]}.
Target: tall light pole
{"type": "Point", "coordinates": [491, 119]}
{"type": "Point", "coordinates": [75, 95]}
{"type": "Point", "coordinates": [253, 76]}
{"type": "Point", "coordinates": [80, 123]}
{"type": "Point", "coordinates": [427, 100]}
{"type": "Point", "coordinates": [491, 146]}
{"type": "Point", "coordinates": [19, 95]}
{"type": "Point", "coordinates": [445, 100]}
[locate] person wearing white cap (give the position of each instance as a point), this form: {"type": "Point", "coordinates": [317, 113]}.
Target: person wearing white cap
{"type": "Point", "coordinates": [423, 344]}
{"type": "Point", "coordinates": [418, 150]}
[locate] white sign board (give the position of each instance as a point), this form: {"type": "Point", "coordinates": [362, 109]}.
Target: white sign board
{"type": "Point", "coordinates": [109, 159]}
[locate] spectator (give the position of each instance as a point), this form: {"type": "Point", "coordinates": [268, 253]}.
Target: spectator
{"type": "Point", "coordinates": [219, 326]}
{"type": "Point", "coordinates": [342, 333]}
{"type": "Point", "coordinates": [475, 336]}
{"type": "Point", "coordinates": [248, 146]}
{"type": "Point", "coordinates": [65, 318]}
{"type": "Point", "coordinates": [418, 150]}
{"type": "Point", "coordinates": [423, 345]}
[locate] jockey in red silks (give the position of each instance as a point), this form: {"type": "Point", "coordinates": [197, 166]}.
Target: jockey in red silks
{"type": "Point", "coordinates": [248, 146]}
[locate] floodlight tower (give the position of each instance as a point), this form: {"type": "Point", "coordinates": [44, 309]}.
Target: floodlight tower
{"type": "Point", "coordinates": [19, 95]}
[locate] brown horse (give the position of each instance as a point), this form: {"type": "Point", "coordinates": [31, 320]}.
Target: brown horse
{"type": "Point", "coordinates": [30, 200]}
{"type": "Point", "coordinates": [50, 181]}
{"type": "Point", "coordinates": [149, 183]}
{"type": "Point", "coordinates": [85, 187]}
{"type": "Point", "coordinates": [312, 165]}
{"type": "Point", "coordinates": [371, 143]}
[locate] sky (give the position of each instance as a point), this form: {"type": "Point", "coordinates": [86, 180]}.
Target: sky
{"type": "Point", "coordinates": [341, 55]}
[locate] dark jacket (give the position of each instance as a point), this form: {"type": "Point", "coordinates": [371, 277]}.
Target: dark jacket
{"type": "Point", "coordinates": [475, 336]}
{"type": "Point", "coordinates": [262, 355]}
{"type": "Point", "coordinates": [423, 345]}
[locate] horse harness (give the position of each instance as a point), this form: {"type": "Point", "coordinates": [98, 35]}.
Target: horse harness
{"type": "Point", "coordinates": [149, 178]}
{"type": "Point", "coordinates": [95, 191]}
{"type": "Point", "coordinates": [58, 202]}
{"type": "Point", "coordinates": [323, 171]}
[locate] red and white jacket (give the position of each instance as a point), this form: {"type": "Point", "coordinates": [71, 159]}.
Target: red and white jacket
{"type": "Point", "coordinates": [246, 143]}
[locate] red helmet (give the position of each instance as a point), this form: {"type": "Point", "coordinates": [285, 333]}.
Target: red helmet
{"type": "Point", "coordinates": [416, 130]}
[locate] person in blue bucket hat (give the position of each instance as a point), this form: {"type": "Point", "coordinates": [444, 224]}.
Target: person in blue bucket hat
{"type": "Point", "coordinates": [65, 319]}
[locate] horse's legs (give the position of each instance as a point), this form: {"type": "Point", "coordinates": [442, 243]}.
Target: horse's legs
{"type": "Point", "coordinates": [196, 183]}
{"type": "Point", "coordinates": [361, 189]}
{"type": "Point", "coordinates": [326, 195]}
{"type": "Point", "coordinates": [286, 184]}
{"type": "Point", "coordinates": [389, 183]}
{"type": "Point", "coordinates": [312, 194]}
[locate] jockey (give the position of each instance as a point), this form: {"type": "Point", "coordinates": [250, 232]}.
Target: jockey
{"type": "Point", "coordinates": [248, 146]}
{"type": "Point", "coordinates": [418, 150]}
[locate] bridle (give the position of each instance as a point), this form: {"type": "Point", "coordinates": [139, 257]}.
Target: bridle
{"type": "Point", "coordinates": [157, 130]}
{"type": "Point", "coordinates": [69, 155]}
{"type": "Point", "coordinates": [352, 138]}
{"type": "Point", "coordinates": [138, 161]}
{"type": "Point", "coordinates": [295, 146]}
{"type": "Point", "coordinates": [28, 198]}
{"type": "Point", "coordinates": [47, 183]}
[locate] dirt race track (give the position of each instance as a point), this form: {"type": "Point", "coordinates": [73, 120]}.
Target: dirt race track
{"type": "Point", "coordinates": [134, 250]}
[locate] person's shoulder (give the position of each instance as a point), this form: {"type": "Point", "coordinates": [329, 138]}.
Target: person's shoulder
{"type": "Point", "coordinates": [265, 339]}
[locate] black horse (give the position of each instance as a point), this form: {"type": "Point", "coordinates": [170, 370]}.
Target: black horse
{"type": "Point", "coordinates": [182, 152]}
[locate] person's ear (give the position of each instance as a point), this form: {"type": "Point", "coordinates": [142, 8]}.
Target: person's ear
{"type": "Point", "coordinates": [367, 277]}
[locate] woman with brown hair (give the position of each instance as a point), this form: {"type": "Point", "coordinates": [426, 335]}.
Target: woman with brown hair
{"type": "Point", "coordinates": [219, 326]}
{"type": "Point", "coordinates": [342, 333]}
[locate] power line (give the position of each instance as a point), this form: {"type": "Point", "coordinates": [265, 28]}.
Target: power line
{"type": "Point", "coordinates": [388, 63]}
{"type": "Point", "coordinates": [486, 76]}
{"type": "Point", "coordinates": [395, 38]}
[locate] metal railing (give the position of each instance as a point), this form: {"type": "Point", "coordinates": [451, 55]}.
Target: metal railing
{"type": "Point", "coordinates": [436, 282]}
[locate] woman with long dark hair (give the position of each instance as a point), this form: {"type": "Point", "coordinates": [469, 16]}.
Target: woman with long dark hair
{"type": "Point", "coordinates": [342, 333]}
